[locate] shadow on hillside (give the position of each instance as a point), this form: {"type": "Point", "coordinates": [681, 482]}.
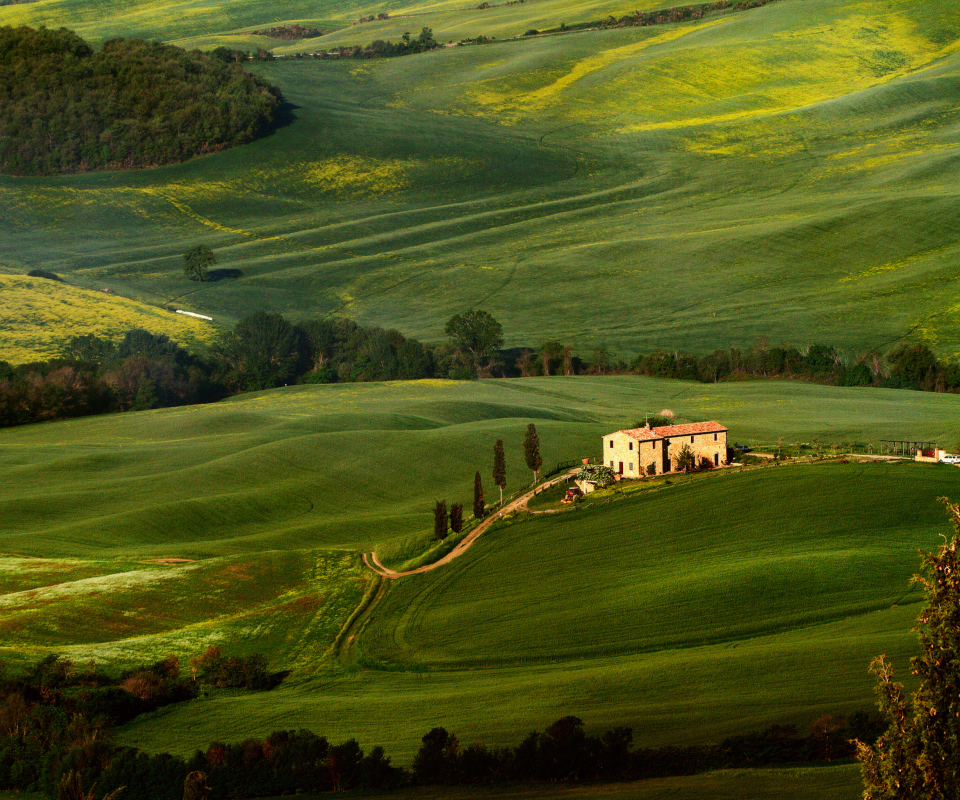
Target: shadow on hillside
{"type": "Point", "coordinates": [214, 275]}
{"type": "Point", "coordinates": [285, 116]}
{"type": "Point", "coordinates": [276, 678]}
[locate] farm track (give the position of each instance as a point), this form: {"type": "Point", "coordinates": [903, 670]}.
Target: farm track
{"type": "Point", "coordinates": [373, 562]}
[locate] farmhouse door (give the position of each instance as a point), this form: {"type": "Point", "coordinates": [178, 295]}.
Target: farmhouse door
{"type": "Point", "coordinates": [621, 468]}
{"type": "Point", "coordinates": [666, 455]}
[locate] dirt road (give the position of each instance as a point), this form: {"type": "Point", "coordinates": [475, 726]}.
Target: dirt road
{"type": "Point", "coordinates": [373, 562]}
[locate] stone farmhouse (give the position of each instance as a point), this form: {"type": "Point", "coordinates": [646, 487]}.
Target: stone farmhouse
{"type": "Point", "coordinates": [629, 453]}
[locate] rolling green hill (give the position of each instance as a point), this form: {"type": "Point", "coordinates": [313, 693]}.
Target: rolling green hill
{"type": "Point", "coordinates": [600, 613]}
{"type": "Point", "coordinates": [786, 172]}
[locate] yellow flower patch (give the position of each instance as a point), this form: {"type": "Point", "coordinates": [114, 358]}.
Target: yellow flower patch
{"type": "Point", "coordinates": [37, 316]}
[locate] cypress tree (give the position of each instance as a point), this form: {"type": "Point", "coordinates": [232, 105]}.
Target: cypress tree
{"type": "Point", "coordinates": [440, 520]}
{"type": "Point", "coordinates": [531, 450]}
{"type": "Point", "coordinates": [918, 757]}
{"type": "Point", "coordinates": [478, 504]}
{"type": "Point", "coordinates": [456, 517]}
{"type": "Point", "coordinates": [499, 467]}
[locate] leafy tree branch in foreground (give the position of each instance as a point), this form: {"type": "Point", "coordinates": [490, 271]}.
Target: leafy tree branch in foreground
{"type": "Point", "coordinates": [918, 756]}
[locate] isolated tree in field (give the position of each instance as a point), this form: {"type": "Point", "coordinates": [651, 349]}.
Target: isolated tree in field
{"type": "Point", "coordinates": [197, 260]}
{"type": "Point", "coordinates": [499, 467]}
{"type": "Point", "coordinates": [531, 450]}
{"type": "Point", "coordinates": [478, 504]}
{"type": "Point", "coordinates": [456, 517]}
{"type": "Point", "coordinates": [477, 337]}
{"type": "Point", "coordinates": [918, 757]}
{"type": "Point", "coordinates": [440, 520]}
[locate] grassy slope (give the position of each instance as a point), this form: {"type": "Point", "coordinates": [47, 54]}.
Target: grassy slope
{"type": "Point", "coordinates": [232, 484]}
{"type": "Point", "coordinates": [786, 172]}
{"type": "Point", "coordinates": [37, 316]}
{"type": "Point", "coordinates": [834, 783]}
{"type": "Point", "coordinates": [774, 550]}
{"type": "Point", "coordinates": [355, 465]}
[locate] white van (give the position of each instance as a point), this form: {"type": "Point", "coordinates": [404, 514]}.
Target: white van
{"type": "Point", "coordinates": [950, 458]}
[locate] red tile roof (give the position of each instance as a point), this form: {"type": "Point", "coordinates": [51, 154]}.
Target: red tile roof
{"type": "Point", "coordinates": [669, 431]}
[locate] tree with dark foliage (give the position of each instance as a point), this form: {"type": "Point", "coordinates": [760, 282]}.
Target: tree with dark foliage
{"type": "Point", "coordinates": [477, 336]}
{"type": "Point", "coordinates": [918, 756]}
{"type": "Point", "coordinates": [67, 108]}
{"type": "Point", "coordinates": [531, 450]}
{"type": "Point", "coordinates": [197, 260]}
{"type": "Point", "coordinates": [440, 520]}
{"type": "Point", "coordinates": [499, 467]}
{"type": "Point", "coordinates": [456, 517]}
{"type": "Point", "coordinates": [479, 507]}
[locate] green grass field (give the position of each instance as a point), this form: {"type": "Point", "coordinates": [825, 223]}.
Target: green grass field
{"type": "Point", "coordinates": [599, 612]}
{"type": "Point", "coordinates": [833, 783]}
{"type": "Point", "coordinates": [786, 172]}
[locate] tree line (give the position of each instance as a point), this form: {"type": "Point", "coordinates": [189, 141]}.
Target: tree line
{"type": "Point", "coordinates": [379, 48]}
{"type": "Point", "coordinates": [145, 370]}
{"type": "Point", "coordinates": [65, 107]}
{"type": "Point", "coordinates": [57, 718]}
{"type": "Point", "coordinates": [906, 366]}
{"type": "Point", "coordinates": [57, 721]}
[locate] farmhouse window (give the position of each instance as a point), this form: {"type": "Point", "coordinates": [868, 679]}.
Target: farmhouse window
{"type": "Point", "coordinates": [654, 445]}
{"type": "Point", "coordinates": [714, 437]}
{"type": "Point", "coordinates": [611, 444]}
{"type": "Point", "coordinates": [631, 445]}
{"type": "Point", "coordinates": [630, 467]}
{"type": "Point", "coordinates": [691, 440]}
{"type": "Point", "coordinates": [611, 465]}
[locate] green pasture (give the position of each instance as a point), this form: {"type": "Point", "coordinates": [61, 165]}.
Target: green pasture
{"type": "Point", "coordinates": [787, 172]}
{"type": "Point", "coordinates": [773, 550]}
{"type": "Point", "coordinates": [612, 612]}
{"type": "Point", "coordinates": [829, 783]}
{"type": "Point", "coordinates": [356, 465]}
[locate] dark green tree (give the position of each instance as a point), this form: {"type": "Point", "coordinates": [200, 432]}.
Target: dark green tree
{"type": "Point", "coordinates": [478, 504]}
{"type": "Point", "coordinates": [918, 757]}
{"type": "Point", "coordinates": [440, 520]}
{"type": "Point", "coordinates": [456, 517]}
{"type": "Point", "coordinates": [477, 336]}
{"type": "Point", "coordinates": [499, 467]}
{"type": "Point", "coordinates": [531, 451]}
{"type": "Point", "coordinates": [263, 352]}
{"type": "Point", "coordinates": [912, 366]}
{"type": "Point", "coordinates": [686, 459]}
{"type": "Point", "coordinates": [197, 260]}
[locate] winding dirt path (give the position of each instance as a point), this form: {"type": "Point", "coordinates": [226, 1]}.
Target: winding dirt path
{"type": "Point", "coordinates": [373, 562]}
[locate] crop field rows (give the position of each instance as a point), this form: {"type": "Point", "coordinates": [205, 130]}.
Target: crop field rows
{"type": "Point", "coordinates": [750, 162]}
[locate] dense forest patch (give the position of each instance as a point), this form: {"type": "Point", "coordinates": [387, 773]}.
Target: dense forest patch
{"type": "Point", "coordinates": [67, 108]}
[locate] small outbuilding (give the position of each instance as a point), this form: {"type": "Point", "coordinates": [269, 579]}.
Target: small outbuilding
{"type": "Point", "coordinates": [653, 451]}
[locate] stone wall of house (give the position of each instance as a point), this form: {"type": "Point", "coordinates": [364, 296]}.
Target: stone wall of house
{"type": "Point", "coordinates": [620, 448]}
{"type": "Point", "coordinates": [709, 446]}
